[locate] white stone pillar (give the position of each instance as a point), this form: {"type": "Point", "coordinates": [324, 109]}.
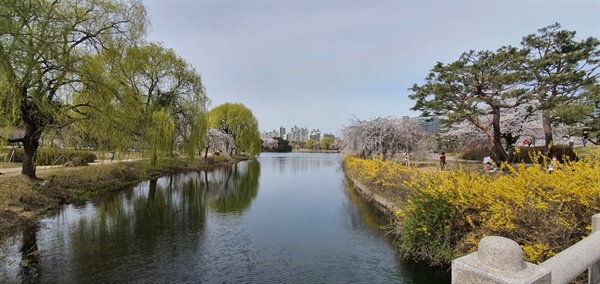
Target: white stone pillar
{"type": "Point", "coordinates": [498, 260]}
{"type": "Point", "coordinates": [594, 271]}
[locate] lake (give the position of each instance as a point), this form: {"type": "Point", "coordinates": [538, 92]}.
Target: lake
{"type": "Point", "coordinates": [284, 218]}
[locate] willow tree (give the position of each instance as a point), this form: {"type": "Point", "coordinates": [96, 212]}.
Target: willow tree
{"type": "Point", "coordinates": [559, 68]}
{"type": "Point", "coordinates": [239, 122]}
{"type": "Point", "coordinates": [326, 142]}
{"type": "Point", "coordinates": [147, 94]}
{"type": "Point", "coordinates": [43, 44]}
{"type": "Point", "coordinates": [478, 85]}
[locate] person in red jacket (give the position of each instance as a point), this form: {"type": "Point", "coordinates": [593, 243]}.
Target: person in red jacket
{"type": "Point", "coordinates": [443, 161]}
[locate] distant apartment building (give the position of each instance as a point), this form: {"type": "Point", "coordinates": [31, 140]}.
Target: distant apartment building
{"type": "Point", "coordinates": [269, 135]}
{"type": "Point", "coordinates": [430, 124]}
{"type": "Point", "coordinates": [298, 134]}
{"type": "Point", "coordinates": [315, 134]}
{"type": "Point", "coordinates": [282, 132]}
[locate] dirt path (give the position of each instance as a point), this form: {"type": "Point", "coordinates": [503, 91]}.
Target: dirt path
{"type": "Point", "coordinates": [5, 172]}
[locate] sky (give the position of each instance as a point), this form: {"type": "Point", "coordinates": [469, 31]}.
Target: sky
{"type": "Point", "coordinates": [320, 63]}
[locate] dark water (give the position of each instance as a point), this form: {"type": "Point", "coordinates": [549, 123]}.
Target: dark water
{"type": "Point", "coordinates": [286, 218]}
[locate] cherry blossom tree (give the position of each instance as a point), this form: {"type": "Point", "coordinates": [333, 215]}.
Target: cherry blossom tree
{"type": "Point", "coordinates": [218, 140]}
{"type": "Point", "coordinates": [516, 124]}
{"type": "Point", "coordinates": [383, 137]}
{"type": "Point", "coordinates": [270, 144]}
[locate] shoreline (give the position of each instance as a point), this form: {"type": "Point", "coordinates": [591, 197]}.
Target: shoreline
{"type": "Point", "coordinates": [24, 201]}
{"type": "Point", "coordinates": [379, 201]}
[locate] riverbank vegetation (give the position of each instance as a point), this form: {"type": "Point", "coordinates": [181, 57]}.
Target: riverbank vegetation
{"type": "Point", "coordinates": [82, 75]}
{"type": "Point", "coordinates": [23, 200]}
{"type": "Point", "coordinates": [484, 105]}
{"type": "Point", "coordinates": [547, 85]}
{"type": "Point", "coordinates": [442, 215]}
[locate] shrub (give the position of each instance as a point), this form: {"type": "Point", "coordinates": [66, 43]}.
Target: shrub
{"type": "Point", "coordinates": [475, 154]}
{"type": "Point", "coordinates": [447, 213]}
{"type": "Point", "coordinates": [535, 155]}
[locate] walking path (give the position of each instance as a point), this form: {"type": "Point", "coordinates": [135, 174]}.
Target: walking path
{"type": "Point", "coordinates": [13, 170]}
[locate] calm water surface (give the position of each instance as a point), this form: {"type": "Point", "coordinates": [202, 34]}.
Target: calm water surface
{"type": "Point", "coordinates": [285, 218]}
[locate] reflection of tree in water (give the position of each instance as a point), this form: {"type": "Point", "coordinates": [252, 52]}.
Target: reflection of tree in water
{"type": "Point", "coordinates": [155, 219]}
{"type": "Point", "coordinates": [361, 213]}
{"type": "Point", "coordinates": [152, 221]}
{"type": "Point", "coordinates": [232, 189]}
{"type": "Point", "coordinates": [29, 252]}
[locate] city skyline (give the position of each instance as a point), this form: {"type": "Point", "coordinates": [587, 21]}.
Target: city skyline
{"type": "Point", "coordinates": [296, 134]}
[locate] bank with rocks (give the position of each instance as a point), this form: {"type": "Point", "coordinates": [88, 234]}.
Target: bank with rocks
{"type": "Point", "coordinates": [378, 200]}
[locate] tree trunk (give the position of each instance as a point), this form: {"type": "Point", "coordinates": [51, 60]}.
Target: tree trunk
{"type": "Point", "coordinates": [35, 121]}
{"type": "Point", "coordinates": [547, 129]}
{"type": "Point", "coordinates": [154, 158]}
{"type": "Point", "coordinates": [497, 137]}
{"type": "Point", "coordinates": [30, 145]}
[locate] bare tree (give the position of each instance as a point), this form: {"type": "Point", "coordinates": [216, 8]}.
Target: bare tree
{"type": "Point", "coordinates": [383, 137]}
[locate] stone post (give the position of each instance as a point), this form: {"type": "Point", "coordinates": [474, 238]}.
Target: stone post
{"type": "Point", "coordinates": [594, 271]}
{"type": "Point", "coordinates": [497, 260]}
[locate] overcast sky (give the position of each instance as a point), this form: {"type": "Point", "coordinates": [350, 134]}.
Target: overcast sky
{"type": "Point", "coordinates": [316, 64]}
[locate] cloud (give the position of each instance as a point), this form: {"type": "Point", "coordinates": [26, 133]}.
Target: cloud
{"type": "Point", "coordinates": [316, 63]}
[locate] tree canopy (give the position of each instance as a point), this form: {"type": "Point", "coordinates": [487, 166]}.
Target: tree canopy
{"type": "Point", "coordinates": [43, 45]}
{"type": "Point", "coordinates": [149, 95]}
{"type": "Point", "coordinates": [478, 84]}
{"type": "Point", "coordinates": [558, 68]}
{"type": "Point", "coordinates": [549, 72]}
{"type": "Point", "coordinates": [239, 122]}
{"type": "Point", "coordinates": [83, 65]}
{"type": "Point", "coordinates": [326, 142]}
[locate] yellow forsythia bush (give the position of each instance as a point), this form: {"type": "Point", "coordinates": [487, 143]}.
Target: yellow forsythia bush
{"type": "Point", "coordinates": [446, 213]}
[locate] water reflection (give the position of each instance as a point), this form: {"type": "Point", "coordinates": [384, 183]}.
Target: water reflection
{"type": "Point", "coordinates": [362, 213]}
{"type": "Point", "coordinates": [143, 224]}
{"type": "Point", "coordinates": [304, 225]}
{"type": "Point", "coordinates": [297, 163]}
{"type": "Point", "coordinates": [232, 189]}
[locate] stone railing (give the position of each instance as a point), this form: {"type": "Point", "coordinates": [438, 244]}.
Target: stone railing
{"type": "Point", "coordinates": [500, 260]}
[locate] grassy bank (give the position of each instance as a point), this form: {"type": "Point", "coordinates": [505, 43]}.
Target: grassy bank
{"type": "Point", "coordinates": [444, 214]}
{"type": "Point", "coordinates": [314, 151]}
{"type": "Point", "coordinates": [23, 200]}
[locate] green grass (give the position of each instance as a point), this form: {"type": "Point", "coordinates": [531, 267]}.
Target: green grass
{"type": "Point", "coordinates": [5, 165]}
{"type": "Point", "coordinates": [585, 151]}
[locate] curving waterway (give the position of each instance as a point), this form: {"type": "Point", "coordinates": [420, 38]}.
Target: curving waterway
{"type": "Point", "coordinates": [285, 218]}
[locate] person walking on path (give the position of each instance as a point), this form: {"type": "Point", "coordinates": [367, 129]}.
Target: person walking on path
{"type": "Point", "coordinates": [584, 138]}
{"type": "Point", "coordinates": [443, 161]}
